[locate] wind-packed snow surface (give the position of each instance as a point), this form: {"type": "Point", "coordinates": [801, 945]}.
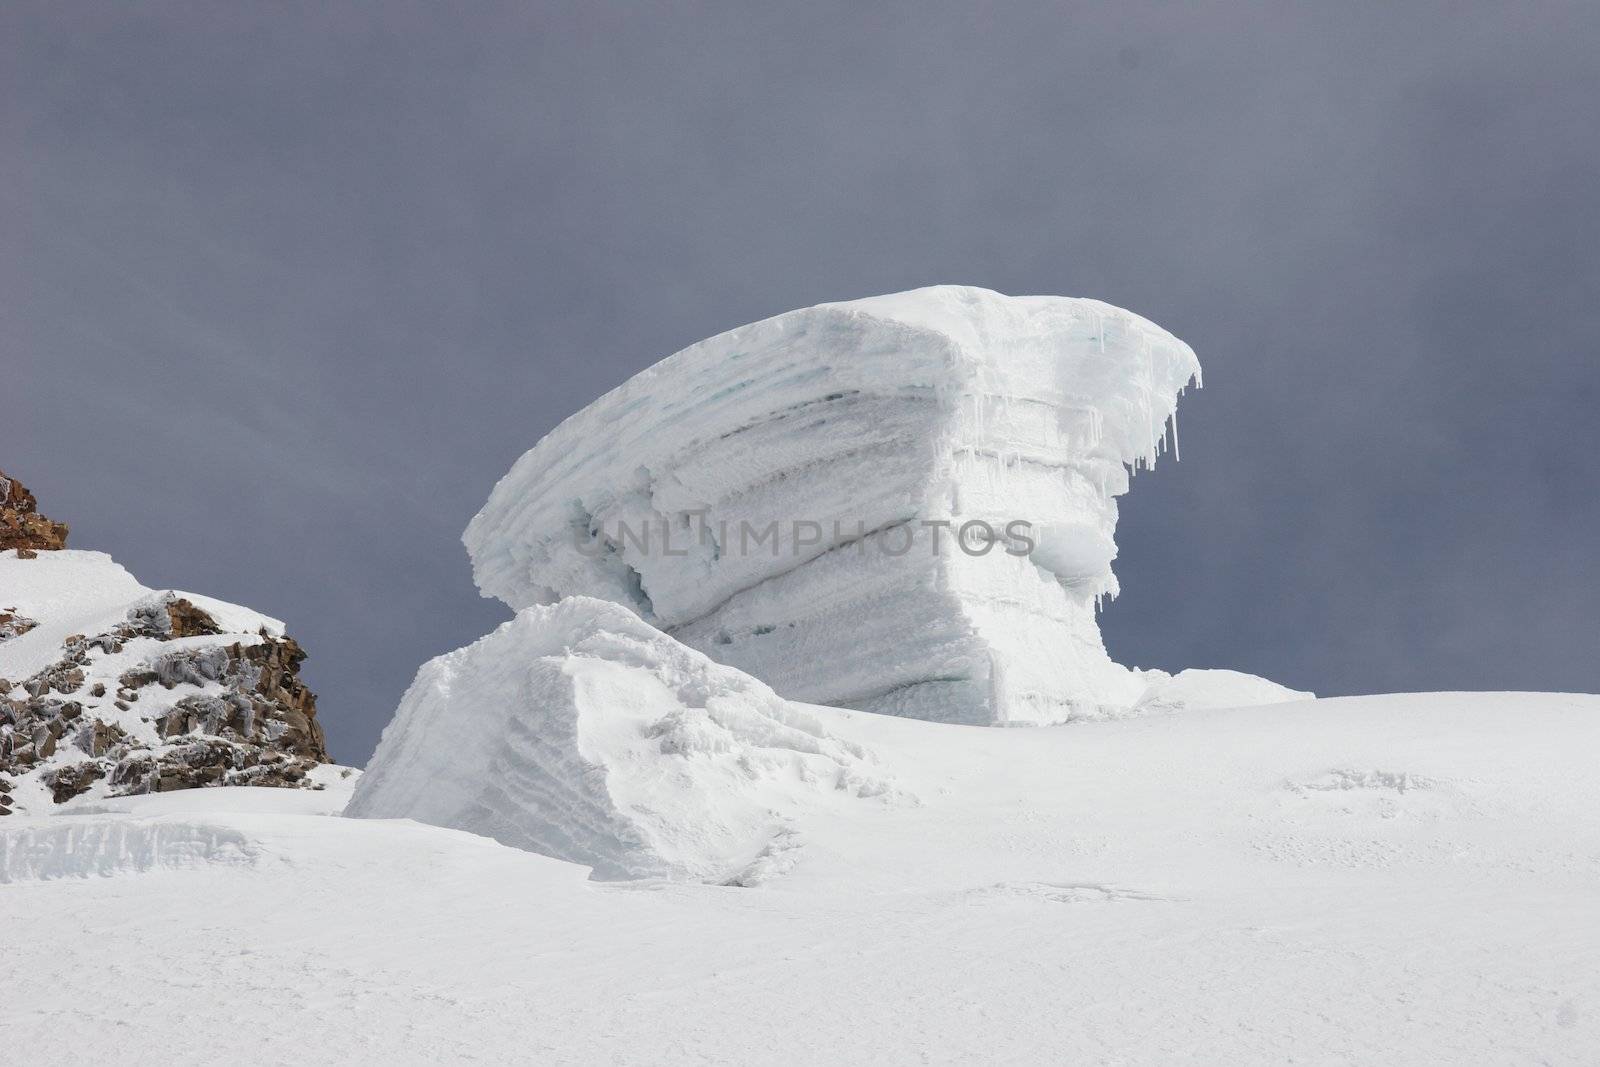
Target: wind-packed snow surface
{"type": "Point", "coordinates": [1377, 880]}
{"type": "Point", "coordinates": [786, 498]}
{"type": "Point", "coordinates": [580, 732]}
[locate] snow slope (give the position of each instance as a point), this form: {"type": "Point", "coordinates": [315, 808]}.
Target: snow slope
{"type": "Point", "coordinates": [784, 495]}
{"type": "Point", "coordinates": [1402, 879]}
{"type": "Point", "coordinates": [74, 592]}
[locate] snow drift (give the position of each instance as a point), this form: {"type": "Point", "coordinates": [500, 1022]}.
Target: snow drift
{"type": "Point", "coordinates": [786, 498]}
{"type": "Point", "coordinates": [579, 731]}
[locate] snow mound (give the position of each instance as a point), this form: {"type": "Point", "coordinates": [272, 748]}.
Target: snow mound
{"type": "Point", "coordinates": [786, 498]}
{"type": "Point", "coordinates": [578, 731]}
{"type": "Point", "coordinates": [1199, 688]}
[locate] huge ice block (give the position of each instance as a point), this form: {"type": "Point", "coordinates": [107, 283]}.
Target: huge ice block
{"type": "Point", "coordinates": [786, 497]}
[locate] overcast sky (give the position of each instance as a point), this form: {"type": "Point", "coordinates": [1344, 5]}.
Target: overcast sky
{"type": "Point", "coordinates": [285, 293]}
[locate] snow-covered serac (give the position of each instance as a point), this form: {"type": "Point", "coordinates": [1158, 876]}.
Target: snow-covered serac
{"type": "Point", "coordinates": [784, 496]}
{"type": "Point", "coordinates": [580, 732]}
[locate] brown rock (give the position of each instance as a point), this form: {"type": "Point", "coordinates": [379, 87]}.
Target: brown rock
{"type": "Point", "coordinates": [190, 621]}
{"type": "Point", "coordinates": [97, 738]}
{"type": "Point", "coordinates": [67, 681]}
{"type": "Point", "coordinates": [15, 495]}
{"type": "Point", "coordinates": [72, 780]}
{"type": "Point", "coordinates": [12, 625]}
{"type": "Point", "coordinates": [134, 774]}
{"type": "Point", "coordinates": [135, 679]}
{"type": "Point", "coordinates": [285, 696]}
{"type": "Point", "coordinates": [255, 723]}
{"type": "Point", "coordinates": [21, 525]}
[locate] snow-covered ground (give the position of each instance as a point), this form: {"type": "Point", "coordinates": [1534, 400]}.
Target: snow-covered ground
{"type": "Point", "coordinates": [1400, 879]}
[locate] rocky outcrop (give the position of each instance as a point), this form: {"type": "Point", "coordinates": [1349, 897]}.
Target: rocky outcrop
{"type": "Point", "coordinates": [21, 525]}
{"type": "Point", "coordinates": [246, 717]}
{"type": "Point", "coordinates": [112, 688]}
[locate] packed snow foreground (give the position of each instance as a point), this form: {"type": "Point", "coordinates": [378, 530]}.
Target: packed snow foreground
{"type": "Point", "coordinates": [684, 808]}
{"type": "Point", "coordinates": [1400, 879]}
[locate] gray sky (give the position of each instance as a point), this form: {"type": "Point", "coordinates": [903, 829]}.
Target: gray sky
{"type": "Point", "coordinates": [288, 287]}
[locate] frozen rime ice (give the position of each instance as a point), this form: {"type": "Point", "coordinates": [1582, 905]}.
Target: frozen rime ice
{"type": "Point", "coordinates": [767, 497]}
{"type": "Point", "coordinates": [580, 732]}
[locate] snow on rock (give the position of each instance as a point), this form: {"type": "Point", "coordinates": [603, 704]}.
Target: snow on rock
{"type": "Point", "coordinates": [578, 731]}
{"type": "Point", "coordinates": [1198, 688]}
{"type": "Point", "coordinates": [784, 497]}
{"type": "Point", "coordinates": [108, 687]}
{"type": "Point", "coordinates": [63, 593]}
